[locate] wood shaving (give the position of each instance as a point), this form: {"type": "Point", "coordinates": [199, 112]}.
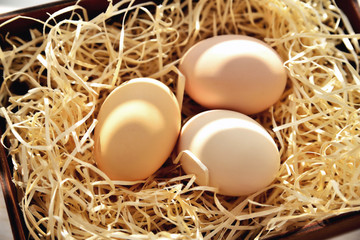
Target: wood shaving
{"type": "Point", "coordinates": [69, 67]}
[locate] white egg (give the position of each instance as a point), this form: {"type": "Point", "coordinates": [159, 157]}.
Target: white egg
{"type": "Point", "coordinates": [228, 150]}
{"type": "Point", "coordinates": [234, 72]}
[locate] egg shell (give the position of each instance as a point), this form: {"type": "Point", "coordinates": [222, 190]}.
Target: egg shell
{"type": "Point", "coordinates": [138, 126]}
{"type": "Point", "coordinates": [228, 150]}
{"type": "Point", "coordinates": [233, 72]}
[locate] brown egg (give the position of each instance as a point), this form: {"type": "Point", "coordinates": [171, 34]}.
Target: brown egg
{"type": "Point", "coordinates": [138, 125]}
{"type": "Point", "coordinates": [234, 72]}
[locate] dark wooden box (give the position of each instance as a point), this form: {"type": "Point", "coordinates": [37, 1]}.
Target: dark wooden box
{"type": "Point", "coordinates": [319, 230]}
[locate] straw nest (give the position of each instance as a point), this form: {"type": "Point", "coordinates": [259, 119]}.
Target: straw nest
{"type": "Point", "coordinates": [68, 68]}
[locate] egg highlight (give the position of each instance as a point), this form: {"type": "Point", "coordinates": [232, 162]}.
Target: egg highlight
{"type": "Point", "coordinates": [138, 126]}
{"type": "Point", "coordinates": [228, 150]}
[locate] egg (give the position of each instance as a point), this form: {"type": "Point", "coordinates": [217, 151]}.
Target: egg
{"type": "Point", "coordinates": [138, 126]}
{"type": "Point", "coordinates": [233, 72]}
{"type": "Point", "coordinates": [229, 151]}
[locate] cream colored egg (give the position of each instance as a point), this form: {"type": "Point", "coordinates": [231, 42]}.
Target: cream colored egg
{"type": "Point", "coordinates": [233, 72]}
{"type": "Point", "coordinates": [228, 150]}
{"type": "Point", "coordinates": [138, 126]}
